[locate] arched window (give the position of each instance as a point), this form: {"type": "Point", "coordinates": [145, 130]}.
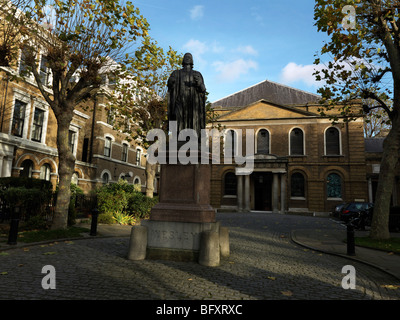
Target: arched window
{"type": "Point", "coordinates": [45, 172]}
{"type": "Point", "coordinates": [231, 143]}
{"type": "Point", "coordinates": [296, 142]}
{"type": "Point", "coordinates": [263, 142]}
{"type": "Point", "coordinates": [105, 178]}
{"type": "Point", "coordinates": [332, 141]}
{"type": "Point", "coordinates": [74, 178]}
{"type": "Point", "coordinates": [297, 185]}
{"type": "Point", "coordinates": [27, 166]}
{"type": "Point", "coordinates": [230, 184]}
{"type": "Point", "coordinates": [334, 186]}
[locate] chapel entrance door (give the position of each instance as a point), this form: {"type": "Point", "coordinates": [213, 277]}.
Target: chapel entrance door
{"type": "Point", "coordinates": [262, 191]}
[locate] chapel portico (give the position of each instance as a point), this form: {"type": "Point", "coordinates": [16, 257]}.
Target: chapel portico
{"type": "Point", "coordinates": [263, 188]}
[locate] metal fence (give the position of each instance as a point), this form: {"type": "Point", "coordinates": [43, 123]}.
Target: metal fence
{"type": "Point", "coordinates": [83, 205]}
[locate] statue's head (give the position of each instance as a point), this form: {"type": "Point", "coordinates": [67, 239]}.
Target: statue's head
{"type": "Point", "coordinates": [187, 59]}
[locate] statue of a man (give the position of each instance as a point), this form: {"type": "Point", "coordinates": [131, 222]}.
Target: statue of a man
{"type": "Point", "coordinates": [187, 99]}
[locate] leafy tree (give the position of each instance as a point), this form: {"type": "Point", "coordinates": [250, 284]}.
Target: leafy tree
{"type": "Point", "coordinates": [376, 121]}
{"type": "Point", "coordinates": [364, 64]}
{"type": "Point", "coordinates": [141, 96]}
{"type": "Point", "coordinates": [13, 25]}
{"type": "Point", "coordinates": [80, 39]}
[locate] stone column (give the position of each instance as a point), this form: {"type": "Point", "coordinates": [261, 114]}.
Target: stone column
{"type": "Point", "coordinates": [240, 192]}
{"type": "Point", "coordinates": [7, 166]}
{"type": "Point", "coordinates": [275, 193]}
{"type": "Point", "coordinates": [1, 166]}
{"type": "Point", "coordinates": [247, 192]}
{"type": "Point", "coordinates": [370, 196]}
{"type": "Point", "coordinates": [283, 193]}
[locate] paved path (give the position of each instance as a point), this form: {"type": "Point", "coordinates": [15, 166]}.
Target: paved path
{"type": "Point", "coordinates": [264, 264]}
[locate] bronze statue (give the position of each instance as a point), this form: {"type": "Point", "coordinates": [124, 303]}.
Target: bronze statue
{"type": "Point", "coordinates": [187, 99]}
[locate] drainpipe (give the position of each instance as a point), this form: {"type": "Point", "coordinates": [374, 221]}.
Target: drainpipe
{"type": "Point", "coordinates": [4, 104]}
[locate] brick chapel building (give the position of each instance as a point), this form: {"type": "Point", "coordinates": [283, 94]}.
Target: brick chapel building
{"type": "Point", "coordinates": [302, 162]}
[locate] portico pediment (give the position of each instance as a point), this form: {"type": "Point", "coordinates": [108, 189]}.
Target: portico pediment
{"type": "Point", "coordinates": [265, 110]}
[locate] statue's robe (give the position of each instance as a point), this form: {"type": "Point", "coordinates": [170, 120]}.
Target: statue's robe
{"type": "Point", "coordinates": [186, 100]}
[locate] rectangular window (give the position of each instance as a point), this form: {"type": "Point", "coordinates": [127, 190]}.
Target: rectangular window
{"type": "Point", "coordinates": [138, 156]}
{"type": "Point", "coordinates": [22, 63]}
{"type": "Point", "coordinates": [124, 152]}
{"type": "Point", "coordinates": [107, 147]}
{"type": "Point", "coordinates": [110, 117]}
{"type": "Point", "coordinates": [17, 127]}
{"type": "Point", "coordinates": [44, 71]}
{"type": "Point", "coordinates": [71, 140]}
{"type": "Point", "coordinates": [37, 126]}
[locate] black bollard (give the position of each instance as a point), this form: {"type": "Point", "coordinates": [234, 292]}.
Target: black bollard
{"type": "Point", "coordinates": [351, 250]}
{"type": "Point", "coordinates": [13, 234]}
{"type": "Point", "coordinates": [93, 227]}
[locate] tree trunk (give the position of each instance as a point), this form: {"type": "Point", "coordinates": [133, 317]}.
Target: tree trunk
{"type": "Point", "coordinates": [65, 170]}
{"type": "Point", "coordinates": [150, 174]}
{"type": "Point", "coordinates": [390, 158]}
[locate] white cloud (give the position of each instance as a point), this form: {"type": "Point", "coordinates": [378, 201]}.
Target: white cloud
{"type": "Point", "coordinates": [196, 12]}
{"type": "Point", "coordinates": [247, 50]}
{"type": "Point", "coordinates": [230, 71]}
{"type": "Point", "coordinates": [195, 47]}
{"type": "Point", "coordinates": [293, 72]}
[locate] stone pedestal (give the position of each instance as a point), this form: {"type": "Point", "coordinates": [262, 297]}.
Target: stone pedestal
{"type": "Point", "coordinates": [178, 222]}
{"type": "Point", "coordinates": [184, 194]}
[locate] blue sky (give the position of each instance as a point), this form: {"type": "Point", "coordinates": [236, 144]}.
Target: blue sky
{"type": "Point", "coordinates": [236, 44]}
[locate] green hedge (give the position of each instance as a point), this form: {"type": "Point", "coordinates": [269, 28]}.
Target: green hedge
{"type": "Point", "coordinates": [31, 196]}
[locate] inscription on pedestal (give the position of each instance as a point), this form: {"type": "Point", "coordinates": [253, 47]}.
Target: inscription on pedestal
{"type": "Point", "coordinates": [176, 235]}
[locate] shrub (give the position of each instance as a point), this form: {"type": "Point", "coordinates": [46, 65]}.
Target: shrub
{"type": "Point", "coordinates": [140, 206]}
{"type": "Point", "coordinates": [106, 218]}
{"type": "Point", "coordinates": [124, 202]}
{"type": "Point", "coordinates": [124, 219]}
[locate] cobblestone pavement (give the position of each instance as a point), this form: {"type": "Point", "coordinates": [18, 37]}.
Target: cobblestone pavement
{"type": "Point", "coordinates": [264, 264]}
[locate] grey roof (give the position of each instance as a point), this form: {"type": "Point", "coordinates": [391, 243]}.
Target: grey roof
{"type": "Point", "coordinates": [374, 144]}
{"type": "Point", "coordinates": [270, 91]}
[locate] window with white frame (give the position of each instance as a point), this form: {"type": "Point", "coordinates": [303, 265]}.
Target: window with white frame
{"type": "Point", "coordinates": [27, 167]}
{"type": "Point", "coordinates": [124, 155]}
{"type": "Point", "coordinates": [23, 67]}
{"type": "Point", "coordinates": [107, 147]}
{"type": "Point", "coordinates": [332, 141]}
{"type": "Point", "coordinates": [44, 71]}
{"type": "Point", "coordinates": [105, 178]}
{"type": "Point", "coordinates": [18, 122]}
{"type": "Point", "coordinates": [37, 125]}
{"type": "Point", "coordinates": [263, 142]}
{"type": "Point", "coordinates": [73, 141]}
{"type": "Point", "coordinates": [296, 142]}
{"type": "Point", "coordinates": [231, 141]}
{"type": "Point", "coordinates": [138, 156]}
{"type": "Point", "coordinates": [45, 172]}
